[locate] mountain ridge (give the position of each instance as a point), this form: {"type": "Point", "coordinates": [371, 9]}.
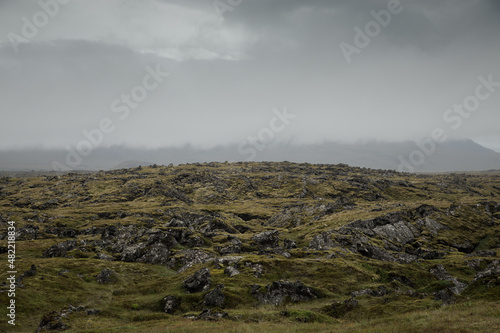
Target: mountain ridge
{"type": "Point", "coordinates": [464, 155]}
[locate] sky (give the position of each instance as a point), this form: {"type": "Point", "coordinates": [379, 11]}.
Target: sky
{"type": "Point", "coordinates": [166, 73]}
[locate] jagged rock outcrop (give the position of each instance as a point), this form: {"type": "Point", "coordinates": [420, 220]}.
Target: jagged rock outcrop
{"type": "Point", "coordinates": [394, 229]}
{"type": "Point", "coordinates": [106, 276]}
{"type": "Point", "coordinates": [228, 260]}
{"type": "Point", "coordinates": [367, 226]}
{"type": "Point", "coordinates": [322, 241]}
{"type": "Point", "coordinates": [54, 321]}
{"type": "Point", "coordinates": [278, 291]}
{"type": "Point", "coordinates": [293, 216]}
{"type": "Point", "coordinates": [379, 292]}
{"type": "Point", "coordinates": [189, 258]}
{"type": "Point", "coordinates": [104, 256]}
{"type": "Point", "coordinates": [31, 272]}
{"type": "Point", "coordinates": [198, 282]}
{"type": "Point", "coordinates": [211, 315]}
{"type": "Point", "coordinates": [231, 263]}
{"type": "Point", "coordinates": [51, 322]}
{"type": "Point", "coordinates": [267, 239]}
{"type": "Point", "coordinates": [215, 297]}
{"type": "Point", "coordinates": [257, 269]}
{"type": "Point", "coordinates": [234, 246]}
{"type": "Point", "coordinates": [59, 250]}
{"type": "Point", "coordinates": [231, 271]}
{"type": "Point", "coordinates": [493, 270]}
{"type": "Point", "coordinates": [289, 244]}
{"type": "Point", "coordinates": [401, 232]}
{"type": "Point", "coordinates": [157, 254]}
{"type": "Point", "coordinates": [441, 274]}
{"type": "Point", "coordinates": [28, 232]}
{"type": "Point", "coordinates": [447, 296]}
{"type": "Point", "coordinates": [431, 225]}
{"type": "Point", "coordinates": [339, 309]}
{"type": "Point", "coordinates": [62, 232]}
{"type": "Point", "coordinates": [218, 225]}
{"type": "Point", "coordinates": [171, 304]}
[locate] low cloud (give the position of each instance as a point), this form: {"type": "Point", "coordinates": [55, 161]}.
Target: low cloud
{"type": "Point", "coordinates": [228, 73]}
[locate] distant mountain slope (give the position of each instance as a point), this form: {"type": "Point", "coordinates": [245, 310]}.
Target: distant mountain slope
{"type": "Point", "coordinates": [451, 156]}
{"type": "Point", "coordinates": [131, 164]}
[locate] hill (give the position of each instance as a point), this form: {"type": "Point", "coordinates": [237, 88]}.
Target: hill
{"type": "Point", "coordinates": [463, 155]}
{"type": "Point", "coordinates": [253, 247]}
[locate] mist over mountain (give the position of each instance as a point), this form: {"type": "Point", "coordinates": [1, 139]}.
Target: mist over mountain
{"type": "Point", "coordinates": [185, 73]}
{"type": "Point", "coordinates": [465, 155]}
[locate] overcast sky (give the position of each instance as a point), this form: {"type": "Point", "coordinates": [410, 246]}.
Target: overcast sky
{"type": "Point", "coordinates": [228, 71]}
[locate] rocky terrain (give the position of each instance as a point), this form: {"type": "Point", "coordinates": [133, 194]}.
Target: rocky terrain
{"type": "Point", "coordinates": [219, 246]}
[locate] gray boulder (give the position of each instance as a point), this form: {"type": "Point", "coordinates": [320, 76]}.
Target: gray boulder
{"type": "Point", "coordinates": [157, 254]}
{"type": "Point", "coordinates": [231, 271]}
{"type": "Point", "coordinates": [401, 232]}
{"type": "Point", "coordinates": [278, 291]}
{"type": "Point", "coordinates": [431, 225]}
{"type": "Point", "coordinates": [104, 256]}
{"type": "Point", "coordinates": [289, 244]}
{"type": "Point", "coordinates": [215, 297]}
{"type": "Point", "coordinates": [51, 322]}
{"type": "Point", "coordinates": [339, 309]}
{"type": "Point", "coordinates": [267, 239]}
{"type": "Point", "coordinates": [441, 274]}
{"type": "Point", "coordinates": [170, 304]}
{"type": "Point", "coordinates": [446, 296]}
{"type": "Point", "coordinates": [321, 242]}
{"type": "Point", "coordinates": [189, 258]}
{"type": "Point", "coordinates": [381, 291]}
{"type": "Point", "coordinates": [208, 314]}
{"type": "Point", "coordinates": [106, 276]}
{"type": "Point", "coordinates": [59, 250]}
{"type": "Point", "coordinates": [199, 281]}
{"type": "Point", "coordinates": [493, 270]}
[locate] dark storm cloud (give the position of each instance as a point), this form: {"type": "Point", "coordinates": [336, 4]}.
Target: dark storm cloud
{"type": "Point", "coordinates": [229, 73]}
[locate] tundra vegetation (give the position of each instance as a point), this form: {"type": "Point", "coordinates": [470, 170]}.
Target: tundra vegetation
{"type": "Point", "coordinates": [245, 247]}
